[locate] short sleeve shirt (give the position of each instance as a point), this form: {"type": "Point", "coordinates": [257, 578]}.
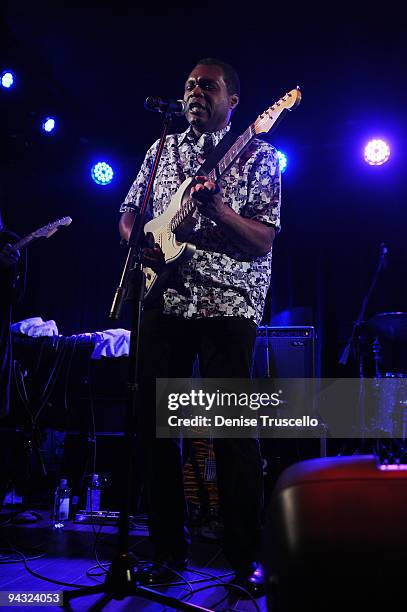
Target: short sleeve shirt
{"type": "Point", "coordinates": [220, 279]}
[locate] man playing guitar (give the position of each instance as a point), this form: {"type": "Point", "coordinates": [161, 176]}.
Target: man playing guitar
{"type": "Point", "coordinates": [210, 307]}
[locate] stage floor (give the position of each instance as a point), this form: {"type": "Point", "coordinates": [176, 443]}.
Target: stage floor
{"type": "Point", "coordinates": [67, 555]}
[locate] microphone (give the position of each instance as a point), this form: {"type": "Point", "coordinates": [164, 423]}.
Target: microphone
{"type": "Point", "coordinates": [176, 107]}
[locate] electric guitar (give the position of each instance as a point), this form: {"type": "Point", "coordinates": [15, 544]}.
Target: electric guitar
{"type": "Point", "coordinates": [42, 232]}
{"type": "Point", "coordinates": [164, 226]}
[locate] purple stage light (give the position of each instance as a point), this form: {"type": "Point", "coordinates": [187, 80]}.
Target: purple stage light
{"type": "Point", "coordinates": [377, 152]}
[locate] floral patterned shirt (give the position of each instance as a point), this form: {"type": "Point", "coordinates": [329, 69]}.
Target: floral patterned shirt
{"type": "Point", "coordinates": [220, 279]}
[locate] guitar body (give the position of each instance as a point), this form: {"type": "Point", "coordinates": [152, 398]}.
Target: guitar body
{"type": "Point", "coordinates": [174, 252]}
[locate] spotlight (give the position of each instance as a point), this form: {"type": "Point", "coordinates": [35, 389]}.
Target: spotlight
{"type": "Point", "coordinates": [283, 161]}
{"type": "Point", "coordinates": [102, 173]}
{"type": "Point", "coordinates": [48, 124]}
{"type": "Point", "coordinates": [7, 79]}
{"type": "Point", "coordinates": [377, 152]}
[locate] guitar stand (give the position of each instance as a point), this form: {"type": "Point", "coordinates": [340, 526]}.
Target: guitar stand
{"type": "Point", "coordinates": [120, 580]}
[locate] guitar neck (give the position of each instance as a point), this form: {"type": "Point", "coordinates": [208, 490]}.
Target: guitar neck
{"type": "Point", "coordinates": [235, 150]}
{"type": "Point", "coordinates": [214, 175]}
{"type": "Point", "coordinates": [23, 242]}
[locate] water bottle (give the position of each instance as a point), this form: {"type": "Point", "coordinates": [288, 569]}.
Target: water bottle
{"type": "Point", "coordinates": [93, 494]}
{"type": "Point", "coordinates": [61, 504]}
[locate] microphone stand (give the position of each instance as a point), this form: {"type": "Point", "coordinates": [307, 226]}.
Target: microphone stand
{"type": "Point", "coordinates": [120, 580]}
{"type": "Point", "coordinates": [355, 337]}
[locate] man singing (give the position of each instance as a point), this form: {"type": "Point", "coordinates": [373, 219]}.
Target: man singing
{"type": "Point", "coordinates": [211, 309]}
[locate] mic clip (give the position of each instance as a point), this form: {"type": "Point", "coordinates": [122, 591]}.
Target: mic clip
{"type": "Point", "coordinates": [169, 107]}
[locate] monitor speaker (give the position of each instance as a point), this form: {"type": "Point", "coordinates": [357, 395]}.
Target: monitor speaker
{"type": "Point", "coordinates": [335, 536]}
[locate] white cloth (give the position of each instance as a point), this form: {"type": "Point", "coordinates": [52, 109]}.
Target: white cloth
{"type": "Point", "coordinates": [111, 343]}
{"type": "Point", "coordinates": [35, 326]}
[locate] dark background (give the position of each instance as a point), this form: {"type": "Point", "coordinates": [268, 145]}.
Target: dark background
{"type": "Point", "coordinates": [92, 65]}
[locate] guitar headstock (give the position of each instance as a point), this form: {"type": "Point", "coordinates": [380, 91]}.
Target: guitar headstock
{"type": "Point", "coordinates": [267, 119]}
{"type": "Point", "coordinates": [51, 228]}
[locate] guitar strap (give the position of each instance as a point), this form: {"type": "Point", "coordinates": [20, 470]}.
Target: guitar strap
{"type": "Point", "coordinates": [217, 153]}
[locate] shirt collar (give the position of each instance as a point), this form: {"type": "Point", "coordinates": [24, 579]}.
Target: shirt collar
{"type": "Point", "coordinates": [216, 136]}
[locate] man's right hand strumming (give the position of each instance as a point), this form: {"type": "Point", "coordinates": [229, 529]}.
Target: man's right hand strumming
{"type": "Point", "coordinates": [153, 258]}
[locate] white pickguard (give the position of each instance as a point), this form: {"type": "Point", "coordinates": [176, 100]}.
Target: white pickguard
{"type": "Point", "coordinates": [174, 252]}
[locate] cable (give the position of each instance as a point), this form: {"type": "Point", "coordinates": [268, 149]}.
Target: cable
{"type": "Point", "coordinates": [219, 579]}
{"type": "Point", "coordinates": [36, 551]}
{"type": "Point", "coordinates": [183, 582]}
{"type": "Point", "coordinates": [97, 536]}
{"type": "Point", "coordinates": [91, 438]}
{"type": "Point", "coordinates": [7, 555]}
{"type": "Point", "coordinates": [216, 578]}
{"type": "Point", "coordinates": [212, 576]}
{"type": "Point", "coordinates": [52, 378]}
{"type": "Point", "coordinates": [68, 370]}
{"type": "Point", "coordinates": [206, 575]}
{"type": "Point", "coordinates": [218, 603]}
{"type": "Point", "coordinates": [11, 559]}
{"type": "Point", "coordinates": [226, 585]}
{"type": "Point", "coordinates": [52, 580]}
{"type": "Point", "coordinates": [92, 575]}
{"type": "Point", "coordinates": [9, 520]}
{"type": "Point", "coordinates": [20, 385]}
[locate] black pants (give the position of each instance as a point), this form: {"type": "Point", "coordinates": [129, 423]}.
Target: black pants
{"type": "Point", "coordinates": [225, 348]}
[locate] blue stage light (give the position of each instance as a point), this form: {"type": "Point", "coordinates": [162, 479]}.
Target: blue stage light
{"type": "Point", "coordinates": [7, 79]}
{"type": "Point", "coordinates": [283, 161]}
{"type": "Point", "coordinates": [48, 124]}
{"type": "Point", "coordinates": [377, 152]}
{"type": "Point", "coordinates": [102, 173]}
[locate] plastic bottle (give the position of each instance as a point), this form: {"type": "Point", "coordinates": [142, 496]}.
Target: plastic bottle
{"type": "Point", "coordinates": [61, 504]}
{"type": "Point", "coordinates": [74, 506]}
{"type": "Point", "coordinates": [93, 494]}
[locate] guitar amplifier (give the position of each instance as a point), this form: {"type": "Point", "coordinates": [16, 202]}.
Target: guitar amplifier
{"type": "Point", "coordinates": [284, 352]}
